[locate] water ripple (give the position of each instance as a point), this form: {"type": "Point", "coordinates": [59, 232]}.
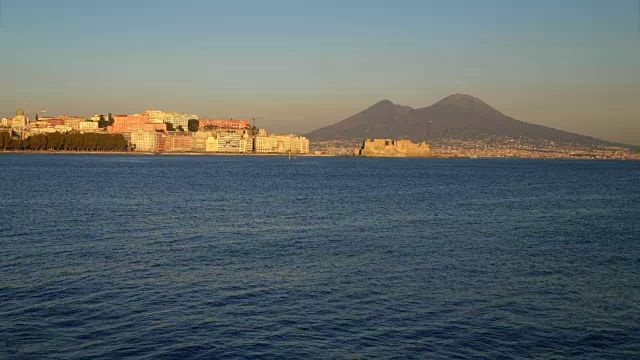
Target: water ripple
{"type": "Point", "coordinates": [213, 257]}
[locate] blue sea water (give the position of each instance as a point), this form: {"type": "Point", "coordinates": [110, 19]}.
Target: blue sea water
{"type": "Point", "coordinates": [125, 256]}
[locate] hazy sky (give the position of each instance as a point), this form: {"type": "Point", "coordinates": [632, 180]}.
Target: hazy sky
{"type": "Point", "coordinates": [569, 64]}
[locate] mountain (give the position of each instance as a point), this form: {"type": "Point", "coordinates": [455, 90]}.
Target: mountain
{"type": "Point", "coordinates": [379, 119]}
{"type": "Point", "coordinates": [456, 116]}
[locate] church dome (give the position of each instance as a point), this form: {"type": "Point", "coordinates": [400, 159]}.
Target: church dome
{"type": "Point", "coordinates": [19, 112]}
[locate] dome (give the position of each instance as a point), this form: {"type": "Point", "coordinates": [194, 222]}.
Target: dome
{"type": "Point", "coordinates": [19, 112]}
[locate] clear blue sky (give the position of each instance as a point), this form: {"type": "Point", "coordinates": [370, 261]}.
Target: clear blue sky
{"type": "Point", "coordinates": [570, 64]}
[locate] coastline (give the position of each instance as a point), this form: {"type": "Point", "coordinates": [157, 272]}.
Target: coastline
{"type": "Point", "coordinates": [73, 152]}
{"type": "Point", "coordinates": [147, 153]}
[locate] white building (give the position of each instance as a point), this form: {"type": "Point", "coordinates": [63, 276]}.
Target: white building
{"type": "Point", "coordinates": [266, 144]}
{"type": "Point", "coordinates": [156, 116]}
{"type": "Point", "coordinates": [145, 141]}
{"type": "Point", "coordinates": [212, 144]}
{"type": "Point", "coordinates": [246, 143]}
{"type": "Point", "coordinates": [63, 128]}
{"type": "Point", "coordinates": [20, 120]}
{"type": "Point", "coordinates": [73, 121]}
{"type": "Point", "coordinates": [43, 130]}
{"type": "Point", "coordinates": [88, 125]}
{"type": "Point", "coordinates": [229, 142]}
{"type": "Point", "coordinates": [282, 144]}
{"type": "Point", "coordinates": [300, 145]}
{"type": "Point", "coordinates": [178, 119]}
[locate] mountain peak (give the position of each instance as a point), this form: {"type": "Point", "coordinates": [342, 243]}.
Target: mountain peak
{"type": "Point", "coordinates": [465, 103]}
{"type": "Point", "coordinates": [385, 103]}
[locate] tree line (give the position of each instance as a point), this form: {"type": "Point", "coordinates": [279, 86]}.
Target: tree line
{"type": "Point", "coordinates": [71, 142]}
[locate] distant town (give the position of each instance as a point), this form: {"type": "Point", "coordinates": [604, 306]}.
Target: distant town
{"type": "Point", "coordinates": [156, 131]}
{"type": "Point", "coordinates": [494, 147]}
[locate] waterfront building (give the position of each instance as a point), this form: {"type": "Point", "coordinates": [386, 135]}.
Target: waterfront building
{"type": "Point", "coordinates": [177, 142]}
{"type": "Point", "coordinates": [393, 148]}
{"type": "Point", "coordinates": [247, 143]}
{"type": "Point", "coordinates": [200, 140]}
{"type": "Point", "coordinates": [300, 145]}
{"type": "Point", "coordinates": [211, 144]}
{"type": "Point", "coordinates": [229, 142]}
{"type": "Point", "coordinates": [145, 141]}
{"type": "Point", "coordinates": [6, 121]}
{"type": "Point", "coordinates": [282, 144]}
{"type": "Point", "coordinates": [265, 144]}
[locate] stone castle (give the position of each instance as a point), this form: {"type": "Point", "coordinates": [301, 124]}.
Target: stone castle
{"type": "Point", "coordinates": [393, 148]}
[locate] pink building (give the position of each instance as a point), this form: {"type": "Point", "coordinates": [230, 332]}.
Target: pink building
{"type": "Point", "coordinates": [55, 121]}
{"type": "Point", "coordinates": [134, 123]}
{"type": "Point", "coordinates": [176, 142]}
{"type": "Point", "coordinates": [224, 123]}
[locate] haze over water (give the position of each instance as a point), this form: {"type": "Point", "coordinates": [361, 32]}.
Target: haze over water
{"type": "Point", "coordinates": [111, 256]}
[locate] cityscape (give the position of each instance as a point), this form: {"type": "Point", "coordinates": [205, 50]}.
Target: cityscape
{"type": "Point", "coordinates": [286, 179]}
{"type": "Point", "coordinates": [156, 131]}
{"type": "Point", "coordinates": [152, 131]}
{"type": "Point", "coordinates": [494, 147]}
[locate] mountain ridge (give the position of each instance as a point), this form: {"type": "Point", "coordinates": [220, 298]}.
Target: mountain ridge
{"type": "Point", "coordinates": [455, 116]}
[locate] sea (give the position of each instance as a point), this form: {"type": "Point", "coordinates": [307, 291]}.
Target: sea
{"type": "Point", "coordinates": [207, 257]}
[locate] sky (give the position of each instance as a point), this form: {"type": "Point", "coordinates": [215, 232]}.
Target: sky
{"type": "Point", "coordinates": [297, 65]}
